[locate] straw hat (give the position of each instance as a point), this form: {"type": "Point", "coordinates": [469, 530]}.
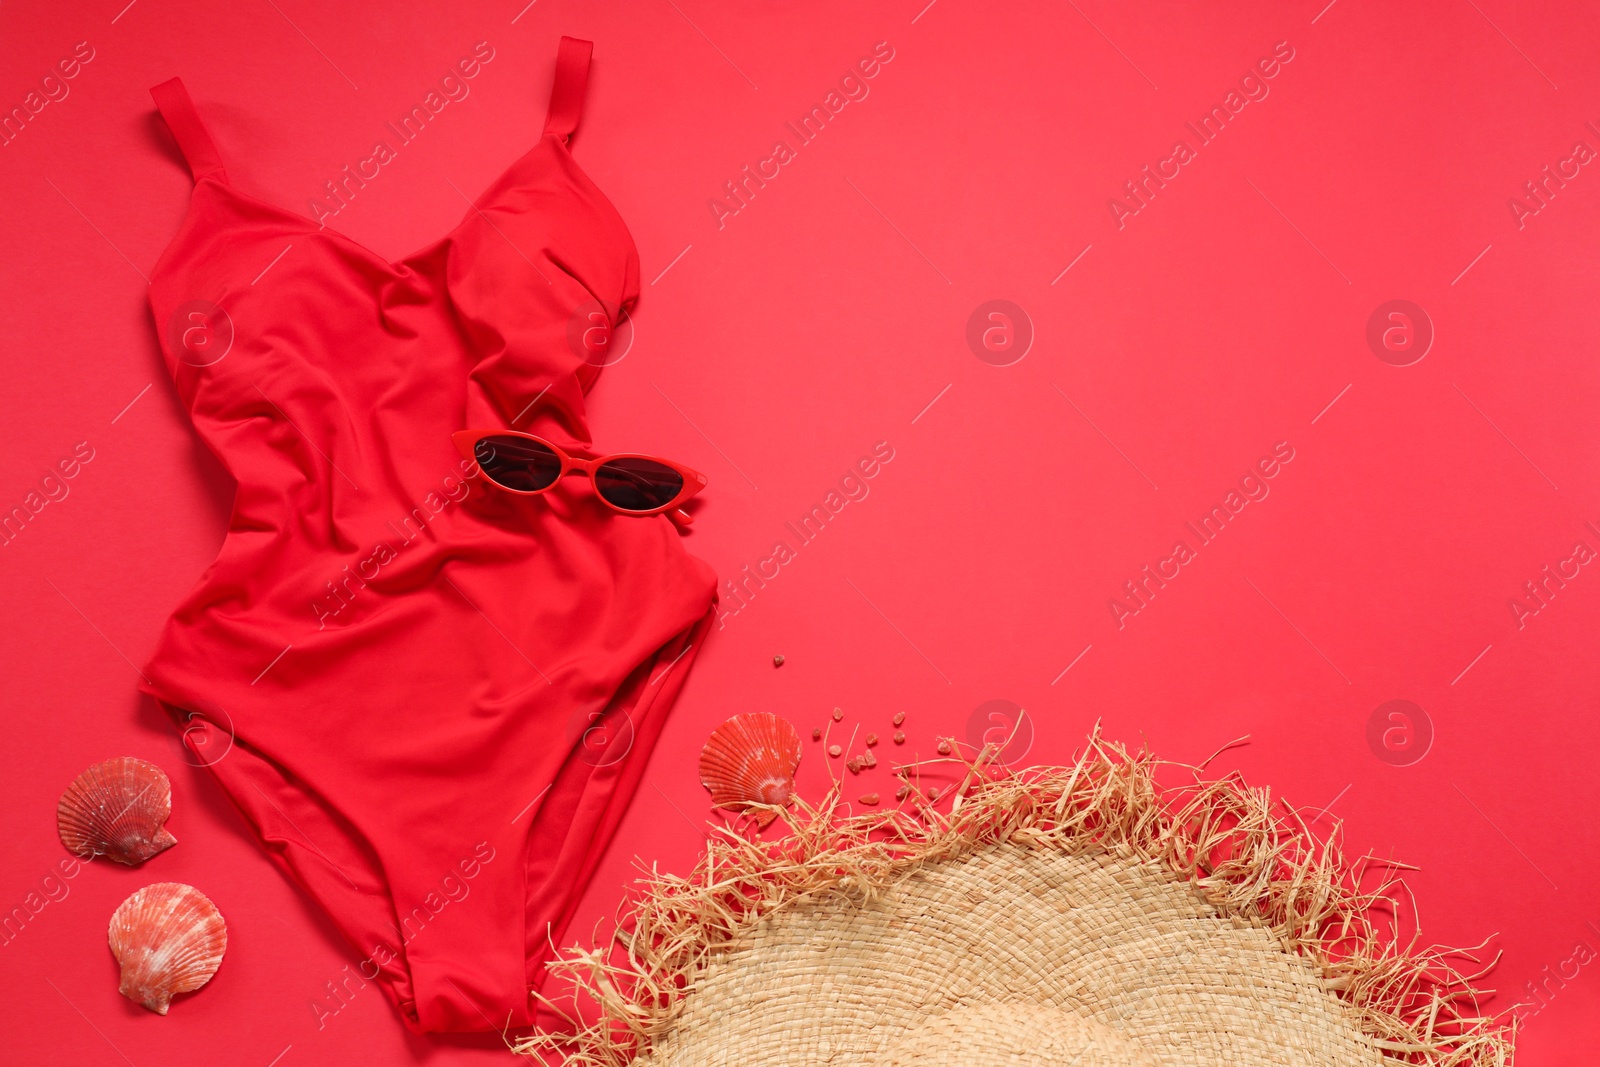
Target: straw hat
{"type": "Point", "coordinates": [1070, 917]}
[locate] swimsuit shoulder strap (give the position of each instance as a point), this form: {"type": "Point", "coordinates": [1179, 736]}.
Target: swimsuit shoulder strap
{"type": "Point", "coordinates": [572, 80]}
{"type": "Point", "coordinates": [172, 100]}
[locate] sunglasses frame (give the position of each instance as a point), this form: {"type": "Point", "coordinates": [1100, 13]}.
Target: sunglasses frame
{"type": "Point", "coordinates": [466, 442]}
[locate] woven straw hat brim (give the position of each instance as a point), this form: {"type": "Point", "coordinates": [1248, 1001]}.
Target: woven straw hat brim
{"type": "Point", "coordinates": [1068, 916]}
{"type": "Point", "coordinates": [1055, 940]}
{"type": "Point", "coordinates": [989, 1035]}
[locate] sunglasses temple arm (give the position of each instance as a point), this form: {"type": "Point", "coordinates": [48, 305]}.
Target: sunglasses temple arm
{"type": "Point", "coordinates": [680, 518]}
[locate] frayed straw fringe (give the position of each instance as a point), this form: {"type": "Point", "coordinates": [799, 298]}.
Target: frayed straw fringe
{"type": "Point", "coordinates": [1246, 854]}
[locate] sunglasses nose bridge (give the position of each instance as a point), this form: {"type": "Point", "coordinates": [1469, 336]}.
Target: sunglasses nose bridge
{"type": "Point", "coordinates": [586, 476]}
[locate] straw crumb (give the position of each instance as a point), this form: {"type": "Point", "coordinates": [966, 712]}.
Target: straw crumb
{"type": "Point", "coordinates": [1253, 858]}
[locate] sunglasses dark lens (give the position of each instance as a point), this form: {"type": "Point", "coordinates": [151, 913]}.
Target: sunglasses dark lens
{"type": "Point", "coordinates": [517, 463]}
{"type": "Point", "coordinates": [637, 484]}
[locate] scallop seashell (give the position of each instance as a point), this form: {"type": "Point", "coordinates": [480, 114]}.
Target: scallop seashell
{"type": "Point", "coordinates": [117, 809]}
{"type": "Point", "coordinates": [751, 759]}
{"type": "Point", "coordinates": [169, 939]}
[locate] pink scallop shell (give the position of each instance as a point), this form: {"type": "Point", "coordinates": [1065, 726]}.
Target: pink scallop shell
{"type": "Point", "coordinates": [169, 939]}
{"type": "Point", "coordinates": [751, 759]}
{"type": "Point", "coordinates": [117, 809]}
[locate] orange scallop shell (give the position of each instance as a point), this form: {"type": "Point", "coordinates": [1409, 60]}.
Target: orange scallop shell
{"type": "Point", "coordinates": [117, 809]}
{"type": "Point", "coordinates": [169, 939]}
{"type": "Point", "coordinates": [751, 759]}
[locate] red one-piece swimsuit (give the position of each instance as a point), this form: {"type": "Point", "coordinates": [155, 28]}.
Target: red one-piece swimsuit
{"type": "Point", "coordinates": [431, 700]}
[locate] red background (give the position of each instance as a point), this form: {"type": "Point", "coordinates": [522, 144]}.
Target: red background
{"type": "Point", "coordinates": [824, 317]}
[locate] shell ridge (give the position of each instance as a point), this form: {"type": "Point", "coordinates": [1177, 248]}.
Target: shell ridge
{"type": "Point", "coordinates": [751, 759]}
{"type": "Point", "coordinates": [117, 808]}
{"type": "Point", "coordinates": [169, 938]}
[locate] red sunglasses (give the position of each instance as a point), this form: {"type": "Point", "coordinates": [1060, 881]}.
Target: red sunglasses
{"type": "Point", "coordinates": [628, 482]}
